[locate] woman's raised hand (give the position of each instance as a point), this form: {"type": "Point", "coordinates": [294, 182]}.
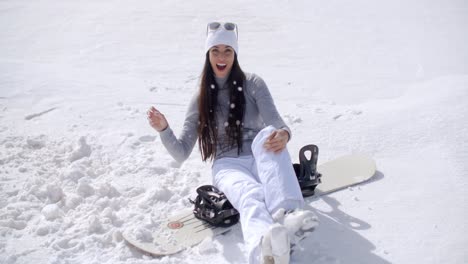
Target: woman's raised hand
{"type": "Point", "coordinates": [156, 119]}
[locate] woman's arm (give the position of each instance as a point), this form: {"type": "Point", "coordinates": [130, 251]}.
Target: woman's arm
{"type": "Point", "coordinates": [179, 148]}
{"type": "Point", "coordinates": [267, 109]}
{"type": "Point", "coordinates": [266, 105]}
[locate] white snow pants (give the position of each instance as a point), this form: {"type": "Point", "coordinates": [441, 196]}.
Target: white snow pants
{"type": "Point", "coordinates": [257, 186]}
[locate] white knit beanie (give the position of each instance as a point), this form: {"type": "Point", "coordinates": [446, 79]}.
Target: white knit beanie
{"type": "Point", "coordinates": [221, 36]}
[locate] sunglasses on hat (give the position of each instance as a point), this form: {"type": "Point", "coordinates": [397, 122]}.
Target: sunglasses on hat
{"type": "Point", "coordinates": [213, 26]}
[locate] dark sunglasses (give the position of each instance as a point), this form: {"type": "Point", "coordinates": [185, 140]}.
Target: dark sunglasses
{"type": "Point", "coordinates": [213, 26]}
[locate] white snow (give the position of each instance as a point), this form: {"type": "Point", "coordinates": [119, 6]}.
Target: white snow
{"type": "Point", "coordinates": [79, 164]}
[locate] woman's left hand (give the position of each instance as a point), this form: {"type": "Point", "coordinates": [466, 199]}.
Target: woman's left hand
{"type": "Point", "coordinates": [277, 140]}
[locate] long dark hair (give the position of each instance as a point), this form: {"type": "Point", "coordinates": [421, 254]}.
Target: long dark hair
{"type": "Point", "coordinates": [208, 104]}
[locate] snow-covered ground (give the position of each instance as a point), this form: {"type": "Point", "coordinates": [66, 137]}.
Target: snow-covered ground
{"type": "Point", "coordinates": [79, 163]}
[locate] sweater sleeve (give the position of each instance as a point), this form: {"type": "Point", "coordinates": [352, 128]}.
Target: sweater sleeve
{"type": "Point", "coordinates": [266, 105]}
{"type": "Point", "coordinates": [181, 148]}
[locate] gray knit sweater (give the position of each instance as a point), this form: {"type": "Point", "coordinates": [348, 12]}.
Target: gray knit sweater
{"type": "Point", "coordinates": [260, 111]}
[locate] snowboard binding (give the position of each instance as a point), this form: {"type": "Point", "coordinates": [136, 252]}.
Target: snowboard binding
{"type": "Point", "coordinates": [212, 206]}
{"type": "Point", "coordinates": [306, 170]}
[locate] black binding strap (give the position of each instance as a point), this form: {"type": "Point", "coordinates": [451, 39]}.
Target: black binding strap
{"type": "Point", "coordinates": [212, 206]}
{"type": "Point", "coordinates": [306, 170]}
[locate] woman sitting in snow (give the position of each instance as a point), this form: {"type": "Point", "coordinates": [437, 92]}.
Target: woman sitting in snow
{"type": "Point", "coordinates": [237, 125]}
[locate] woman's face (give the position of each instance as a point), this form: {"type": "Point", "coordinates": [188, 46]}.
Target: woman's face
{"type": "Point", "coordinates": [221, 59]}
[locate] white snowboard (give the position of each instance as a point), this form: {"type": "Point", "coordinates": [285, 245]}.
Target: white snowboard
{"type": "Point", "coordinates": [184, 230]}
{"type": "Point", "coordinates": [177, 233]}
{"type": "Point", "coordinates": [344, 172]}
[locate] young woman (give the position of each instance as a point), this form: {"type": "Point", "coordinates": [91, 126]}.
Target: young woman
{"type": "Point", "coordinates": [236, 124]}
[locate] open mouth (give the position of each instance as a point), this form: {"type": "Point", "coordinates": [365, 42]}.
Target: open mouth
{"type": "Point", "coordinates": [221, 66]}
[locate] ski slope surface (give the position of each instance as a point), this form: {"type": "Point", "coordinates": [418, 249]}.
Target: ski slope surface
{"type": "Point", "coordinates": [79, 163]}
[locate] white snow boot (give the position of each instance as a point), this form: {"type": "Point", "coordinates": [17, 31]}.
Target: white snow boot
{"type": "Point", "coordinates": [299, 223]}
{"type": "Point", "coordinates": [275, 245]}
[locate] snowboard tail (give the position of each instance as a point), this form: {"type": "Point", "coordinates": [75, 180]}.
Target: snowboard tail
{"type": "Point", "coordinates": [344, 172]}
{"type": "Point", "coordinates": [175, 234]}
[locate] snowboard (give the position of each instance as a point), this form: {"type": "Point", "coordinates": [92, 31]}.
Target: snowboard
{"type": "Point", "coordinates": [344, 172]}
{"type": "Point", "coordinates": [178, 232]}
{"type": "Point", "coordinates": [184, 230]}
